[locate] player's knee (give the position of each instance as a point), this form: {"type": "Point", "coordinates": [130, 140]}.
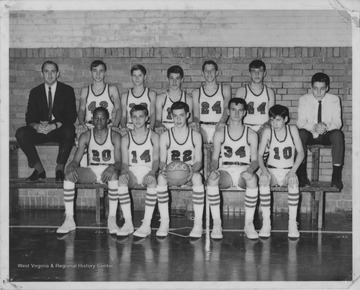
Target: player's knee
{"type": "Point", "coordinates": [252, 183]}
{"type": "Point", "coordinates": [197, 179]}
{"type": "Point", "coordinates": [161, 180]}
{"type": "Point", "coordinates": [225, 180]}
{"type": "Point", "coordinates": [213, 179]}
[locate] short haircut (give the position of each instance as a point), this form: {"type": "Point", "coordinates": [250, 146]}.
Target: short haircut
{"type": "Point", "coordinates": [257, 63]}
{"type": "Point", "coordinates": [49, 62]}
{"type": "Point", "coordinates": [138, 67]}
{"type": "Point", "coordinates": [102, 109]}
{"type": "Point", "coordinates": [210, 62]}
{"type": "Point", "coordinates": [175, 69]}
{"type": "Point", "coordinates": [237, 101]}
{"type": "Point", "coordinates": [321, 78]}
{"type": "Point", "coordinates": [180, 105]}
{"type": "Point", "coordinates": [96, 63]}
{"type": "Point", "coordinates": [139, 108]}
{"type": "Point", "coordinates": [279, 110]}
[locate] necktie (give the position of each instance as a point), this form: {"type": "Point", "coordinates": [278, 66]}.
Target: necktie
{"type": "Point", "coordinates": [319, 112]}
{"type": "Point", "coordinates": [50, 103]}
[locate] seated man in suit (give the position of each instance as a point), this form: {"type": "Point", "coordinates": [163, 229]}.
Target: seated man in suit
{"type": "Point", "coordinates": [50, 117]}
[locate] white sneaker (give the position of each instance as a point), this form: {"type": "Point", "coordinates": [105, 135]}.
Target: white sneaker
{"type": "Point", "coordinates": [126, 229]}
{"type": "Point", "coordinates": [68, 225]}
{"type": "Point", "coordinates": [163, 229]}
{"type": "Point", "coordinates": [250, 231]}
{"type": "Point", "coordinates": [265, 231]}
{"type": "Point", "coordinates": [112, 226]}
{"type": "Point", "coordinates": [143, 231]}
{"type": "Point", "coordinates": [196, 231]}
{"type": "Point", "coordinates": [293, 230]}
{"type": "Point", "coordinates": [216, 232]}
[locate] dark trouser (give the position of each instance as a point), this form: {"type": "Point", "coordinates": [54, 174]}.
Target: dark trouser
{"type": "Point", "coordinates": [335, 138]}
{"type": "Point", "coordinates": [27, 137]}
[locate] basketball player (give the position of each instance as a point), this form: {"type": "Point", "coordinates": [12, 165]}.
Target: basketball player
{"type": "Point", "coordinates": [180, 143]}
{"type": "Point", "coordinates": [138, 95]}
{"type": "Point", "coordinates": [140, 163]}
{"type": "Point", "coordinates": [104, 164]}
{"type": "Point", "coordinates": [164, 101]}
{"type": "Point", "coordinates": [210, 102]}
{"type": "Point", "coordinates": [258, 96]}
{"type": "Point", "coordinates": [234, 162]}
{"type": "Point", "coordinates": [98, 94]}
{"type": "Point", "coordinates": [284, 141]}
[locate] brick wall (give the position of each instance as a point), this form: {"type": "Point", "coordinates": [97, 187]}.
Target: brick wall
{"type": "Point", "coordinates": [289, 73]}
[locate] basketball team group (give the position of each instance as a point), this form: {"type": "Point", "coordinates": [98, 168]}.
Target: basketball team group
{"type": "Point", "coordinates": [156, 141]}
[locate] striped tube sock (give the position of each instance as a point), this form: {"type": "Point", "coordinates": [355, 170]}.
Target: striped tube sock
{"type": "Point", "coordinates": [69, 196]}
{"type": "Point", "coordinates": [125, 202]}
{"type": "Point", "coordinates": [251, 197]}
{"type": "Point", "coordinates": [198, 202]}
{"type": "Point", "coordinates": [265, 200]}
{"type": "Point", "coordinates": [163, 201]}
{"type": "Point", "coordinates": [293, 201]}
{"type": "Point", "coordinates": [213, 194]}
{"type": "Point", "coordinates": [150, 202]}
{"type": "Point", "coordinates": [113, 197]}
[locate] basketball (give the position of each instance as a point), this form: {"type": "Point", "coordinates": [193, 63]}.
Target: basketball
{"type": "Point", "coordinates": [177, 173]}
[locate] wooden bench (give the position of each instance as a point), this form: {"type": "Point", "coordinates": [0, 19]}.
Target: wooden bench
{"type": "Point", "coordinates": [51, 183]}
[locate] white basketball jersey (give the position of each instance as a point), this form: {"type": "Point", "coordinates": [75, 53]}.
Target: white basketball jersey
{"type": "Point", "coordinates": [258, 106]}
{"type": "Point", "coordinates": [166, 110]}
{"type": "Point", "coordinates": [101, 154]}
{"type": "Point", "coordinates": [235, 152]}
{"type": "Point", "coordinates": [143, 99]}
{"type": "Point", "coordinates": [140, 154]}
{"type": "Point", "coordinates": [93, 101]}
{"type": "Point", "coordinates": [281, 153]}
{"type": "Point", "coordinates": [184, 152]}
{"type": "Point", "coordinates": [211, 107]}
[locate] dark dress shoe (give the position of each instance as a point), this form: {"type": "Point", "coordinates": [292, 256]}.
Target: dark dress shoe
{"type": "Point", "coordinates": [337, 183]}
{"type": "Point", "coordinates": [35, 176]}
{"type": "Point", "coordinates": [303, 180]}
{"type": "Point", "coordinates": [59, 175]}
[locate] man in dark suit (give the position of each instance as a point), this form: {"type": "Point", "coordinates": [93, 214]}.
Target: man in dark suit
{"type": "Point", "coordinates": [50, 117]}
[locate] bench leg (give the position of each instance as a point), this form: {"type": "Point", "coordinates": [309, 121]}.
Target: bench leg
{"type": "Point", "coordinates": [314, 207]}
{"type": "Point", "coordinates": [320, 199]}
{"type": "Point", "coordinates": [99, 192]}
{"type": "Point", "coordinates": [207, 224]}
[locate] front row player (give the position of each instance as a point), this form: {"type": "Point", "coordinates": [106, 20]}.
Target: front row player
{"type": "Point", "coordinates": [180, 143]}
{"type": "Point", "coordinates": [233, 163]}
{"type": "Point", "coordinates": [284, 144]}
{"type": "Point", "coordinates": [104, 164]}
{"type": "Point", "coordinates": [140, 163]}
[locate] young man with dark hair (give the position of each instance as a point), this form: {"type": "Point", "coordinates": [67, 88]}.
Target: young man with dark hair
{"type": "Point", "coordinates": [319, 122]}
{"type": "Point", "coordinates": [285, 155]}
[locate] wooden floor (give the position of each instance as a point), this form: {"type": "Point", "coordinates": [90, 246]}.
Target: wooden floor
{"type": "Point", "coordinates": [91, 254]}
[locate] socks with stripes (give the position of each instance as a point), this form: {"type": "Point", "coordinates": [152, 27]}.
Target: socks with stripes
{"type": "Point", "coordinates": [265, 200]}
{"type": "Point", "coordinates": [113, 195]}
{"type": "Point", "coordinates": [163, 201]}
{"type": "Point", "coordinates": [150, 202]}
{"type": "Point", "coordinates": [251, 197]}
{"type": "Point", "coordinates": [293, 200]}
{"type": "Point", "coordinates": [69, 195]}
{"type": "Point", "coordinates": [213, 195]}
{"type": "Point", "coordinates": [125, 202]}
{"type": "Point", "coordinates": [198, 202]}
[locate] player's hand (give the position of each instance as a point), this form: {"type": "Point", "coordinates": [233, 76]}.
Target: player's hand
{"type": "Point", "coordinates": [124, 179]}
{"type": "Point", "coordinates": [195, 126]}
{"type": "Point", "coordinates": [81, 129]}
{"type": "Point", "coordinates": [220, 126]}
{"type": "Point", "coordinates": [265, 178]}
{"type": "Point", "coordinates": [115, 129]}
{"type": "Point", "coordinates": [214, 175]}
{"type": "Point", "coordinates": [124, 131]}
{"type": "Point", "coordinates": [107, 174]}
{"type": "Point", "coordinates": [160, 129]}
{"type": "Point", "coordinates": [149, 178]}
{"type": "Point", "coordinates": [246, 175]}
{"type": "Point", "coordinates": [292, 179]}
{"type": "Point", "coordinates": [71, 174]}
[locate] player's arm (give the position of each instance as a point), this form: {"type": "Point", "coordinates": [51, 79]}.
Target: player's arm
{"type": "Point", "coordinates": [124, 149]}
{"type": "Point", "coordinates": [265, 177]}
{"type": "Point", "coordinates": [123, 117]}
{"type": "Point", "coordinates": [82, 111]}
{"type": "Point", "coordinates": [217, 140]}
{"type": "Point", "coordinates": [271, 95]}
{"type": "Point", "coordinates": [155, 139]}
{"type": "Point", "coordinates": [115, 97]}
{"type": "Point", "coordinates": [164, 143]}
{"type": "Point", "coordinates": [240, 93]}
{"type": "Point", "coordinates": [189, 101]}
{"type": "Point", "coordinates": [196, 105]}
{"type": "Point", "coordinates": [254, 164]}
{"type": "Point", "coordinates": [299, 148]}
{"type": "Point", "coordinates": [198, 158]}
{"type": "Point", "coordinates": [159, 104]}
{"type": "Point", "coordinates": [152, 96]}
{"type": "Point", "coordinates": [112, 169]}
{"type": "Point", "coordinates": [227, 97]}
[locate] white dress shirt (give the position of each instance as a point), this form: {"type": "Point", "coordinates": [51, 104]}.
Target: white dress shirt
{"type": "Point", "coordinates": [53, 90]}
{"type": "Point", "coordinates": [308, 111]}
